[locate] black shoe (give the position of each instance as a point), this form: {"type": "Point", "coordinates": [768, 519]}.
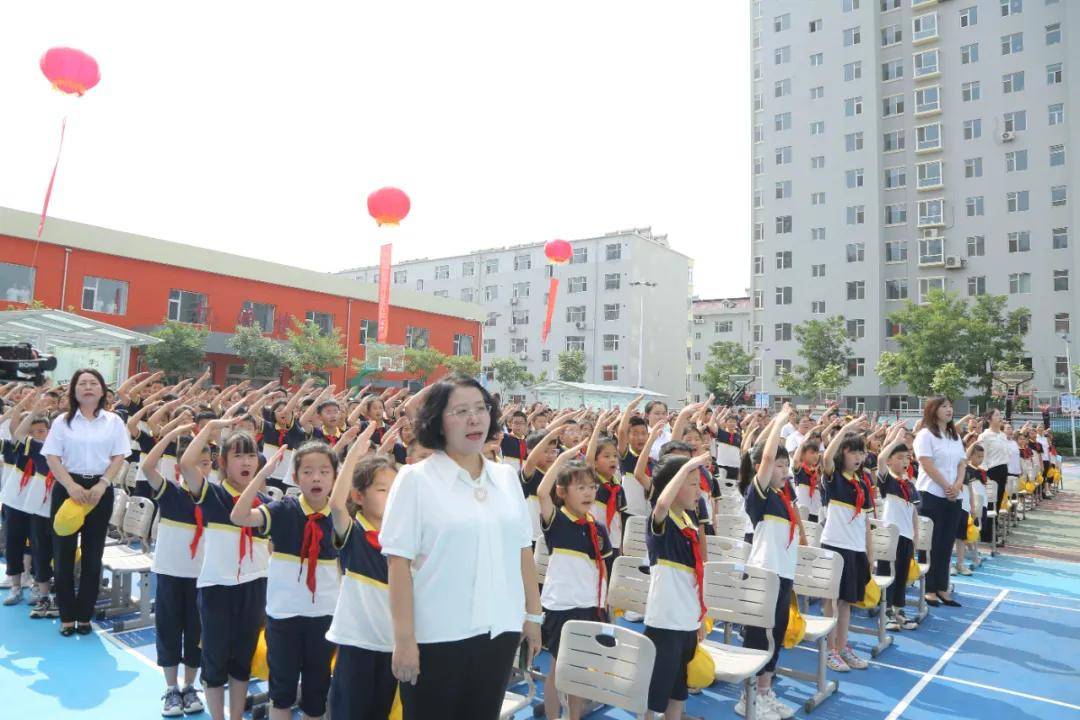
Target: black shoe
{"type": "Point", "coordinates": [84, 628]}
{"type": "Point", "coordinates": [933, 603]}
{"type": "Point", "coordinates": [950, 603]}
{"type": "Point", "coordinates": [67, 630]}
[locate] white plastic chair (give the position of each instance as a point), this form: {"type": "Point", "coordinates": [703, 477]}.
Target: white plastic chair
{"type": "Point", "coordinates": [513, 702]}
{"type": "Point", "coordinates": [274, 493]}
{"type": "Point", "coordinates": [124, 561]}
{"type": "Point", "coordinates": [115, 532]}
{"type": "Point", "coordinates": [926, 537]}
{"type": "Point", "coordinates": [293, 491]}
{"type": "Point", "coordinates": [628, 588]}
{"type": "Point", "coordinates": [731, 525]}
{"type": "Point", "coordinates": [633, 539]}
{"type": "Point", "coordinates": [883, 540]}
{"type": "Point", "coordinates": [992, 514]}
{"type": "Point", "coordinates": [813, 533]}
{"type": "Point", "coordinates": [607, 664]}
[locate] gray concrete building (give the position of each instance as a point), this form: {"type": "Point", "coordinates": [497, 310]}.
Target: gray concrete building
{"type": "Point", "coordinates": [906, 145]}
{"type": "Point", "coordinates": [716, 320]}
{"type": "Point", "coordinates": [624, 299]}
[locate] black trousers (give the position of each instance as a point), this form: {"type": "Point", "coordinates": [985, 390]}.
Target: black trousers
{"type": "Point", "coordinates": [461, 680]}
{"type": "Point", "coordinates": [754, 637]}
{"type": "Point", "coordinates": [1000, 475]}
{"type": "Point", "coordinates": [21, 527]}
{"type": "Point", "coordinates": [297, 651]}
{"type": "Point", "coordinates": [80, 607]}
{"type": "Point", "coordinates": [363, 684]}
{"type": "Point", "coordinates": [946, 516]}
{"type": "Point", "coordinates": [896, 595]}
{"type": "Point", "coordinates": [178, 631]}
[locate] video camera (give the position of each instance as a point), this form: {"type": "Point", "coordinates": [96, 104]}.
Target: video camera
{"type": "Point", "coordinates": [22, 363]}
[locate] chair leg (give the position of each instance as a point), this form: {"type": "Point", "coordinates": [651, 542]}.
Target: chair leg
{"type": "Point", "coordinates": [884, 638]}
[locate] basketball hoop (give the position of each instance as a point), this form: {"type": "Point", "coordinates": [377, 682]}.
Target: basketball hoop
{"type": "Point", "coordinates": [384, 358]}
{"type": "Point", "coordinates": [1007, 382]}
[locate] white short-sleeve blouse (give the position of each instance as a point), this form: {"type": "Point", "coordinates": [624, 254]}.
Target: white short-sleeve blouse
{"type": "Point", "coordinates": [88, 446]}
{"type": "Point", "coordinates": [947, 455]}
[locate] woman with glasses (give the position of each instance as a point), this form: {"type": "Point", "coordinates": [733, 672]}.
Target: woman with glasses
{"type": "Point", "coordinates": [458, 540]}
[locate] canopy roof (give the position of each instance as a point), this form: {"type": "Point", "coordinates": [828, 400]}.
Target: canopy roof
{"type": "Point", "coordinates": [47, 329]}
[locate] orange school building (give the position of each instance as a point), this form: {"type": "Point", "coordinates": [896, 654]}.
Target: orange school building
{"type": "Point", "coordinates": [138, 282]}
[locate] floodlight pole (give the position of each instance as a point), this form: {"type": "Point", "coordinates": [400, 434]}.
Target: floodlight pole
{"type": "Point", "coordinates": [1072, 405]}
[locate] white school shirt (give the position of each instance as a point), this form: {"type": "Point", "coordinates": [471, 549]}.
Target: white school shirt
{"type": "Point", "coordinates": [1045, 445]}
{"type": "Point", "coordinates": [787, 430]}
{"type": "Point", "coordinates": [996, 448]}
{"type": "Point", "coordinates": [793, 441]}
{"type": "Point", "coordinates": [88, 446]}
{"type": "Point", "coordinates": [947, 455]}
{"type": "Point", "coordinates": [665, 437]}
{"type": "Point", "coordinates": [465, 552]}
{"type": "Point", "coordinates": [1013, 449]}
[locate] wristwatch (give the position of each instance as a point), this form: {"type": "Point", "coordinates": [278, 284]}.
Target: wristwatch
{"type": "Point", "coordinates": [538, 619]}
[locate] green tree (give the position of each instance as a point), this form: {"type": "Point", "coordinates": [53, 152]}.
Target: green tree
{"type": "Point", "coordinates": [464, 364]}
{"type": "Point", "coordinates": [725, 359]}
{"type": "Point", "coordinates": [889, 369]}
{"type": "Point", "coordinates": [263, 356]}
{"type": "Point", "coordinates": [824, 347]}
{"type": "Point", "coordinates": [993, 335]}
{"type": "Point", "coordinates": [310, 351]}
{"type": "Point", "coordinates": [422, 362]}
{"type": "Point", "coordinates": [510, 374]}
{"type": "Point", "coordinates": [572, 366]}
{"type": "Point", "coordinates": [180, 351]}
{"type": "Point", "coordinates": [949, 380]}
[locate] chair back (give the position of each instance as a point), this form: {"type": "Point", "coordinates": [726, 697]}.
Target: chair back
{"type": "Point", "coordinates": [991, 495]}
{"type": "Point", "coordinates": [116, 519]}
{"type": "Point", "coordinates": [138, 519]}
{"type": "Point", "coordinates": [633, 537]}
{"type": "Point", "coordinates": [293, 491]}
{"type": "Point", "coordinates": [813, 533]}
{"type": "Point", "coordinates": [926, 534]}
{"type": "Point", "coordinates": [818, 573]}
{"type": "Point", "coordinates": [726, 549]}
{"type": "Point", "coordinates": [730, 525]}
{"type": "Point", "coordinates": [274, 493]}
{"type": "Point", "coordinates": [541, 556]}
{"type": "Point", "coordinates": [883, 540]}
{"type": "Point", "coordinates": [628, 588]}
{"type": "Point", "coordinates": [744, 595]}
{"type": "Point", "coordinates": [605, 663]}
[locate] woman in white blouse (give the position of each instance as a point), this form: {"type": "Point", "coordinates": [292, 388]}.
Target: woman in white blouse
{"type": "Point", "coordinates": [996, 461]}
{"type": "Point", "coordinates": [941, 479]}
{"type": "Point", "coordinates": [85, 450]}
{"type": "Point", "coordinates": [458, 541]}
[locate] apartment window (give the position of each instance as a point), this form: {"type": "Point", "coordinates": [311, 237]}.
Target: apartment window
{"type": "Point", "coordinates": [759, 99]}
{"type": "Point", "coordinates": [817, 271]}
{"type": "Point", "coordinates": [887, 5]}
{"type": "Point", "coordinates": [931, 250]}
{"type": "Point", "coordinates": [856, 329]}
{"type": "Point", "coordinates": [895, 177]}
{"type": "Point", "coordinates": [522, 262]}
{"type": "Point", "coordinates": [971, 91]}
{"type": "Point", "coordinates": [1062, 323]}
{"type": "Point", "coordinates": [931, 212]}
{"type": "Point", "coordinates": [1012, 82]}
{"type": "Point", "coordinates": [575, 313]}
{"type": "Point", "coordinates": [609, 373]}
{"type": "Point", "coordinates": [783, 295]}
{"type": "Point", "coordinates": [781, 367]}
{"type": "Point", "coordinates": [1056, 114]}
{"type": "Point", "coordinates": [782, 22]}
{"type": "Point", "coordinates": [1057, 155]}
{"type": "Point", "coordinates": [575, 342]}
{"type": "Point", "coordinates": [817, 233]}
{"type": "Point", "coordinates": [928, 137]}
{"type": "Point", "coordinates": [854, 178]}
{"type": "Point", "coordinates": [892, 70]}
{"type": "Point", "coordinates": [975, 206]}
{"type": "Point", "coordinates": [924, 27]}
{"type": "Point", "coordinates": [972, 129]}
{"type": "Point", "coordinates": [1061, 280]}
{"type": "Point", "coordinates": [891, 35]}
{"type": "Point", "coordinates": [782, 88]}
{"type": "Point", "coordinates": [1059, 238]}
{"type": "Point", "coordinates": [250, 312]}
{"type": "Point", "coordinates": [927, 100]}
{"type": "Point", "coordinates": [783, 189]}
{"type": "Point", "coordinates": [463, 344]}
{"type": "Point", "coordinates": [817, 127]}
{"type": "Point", "coordinates": [1019, 283]}
{"type": "Point", "coordinates": [1053, 34]}
{"type": "Point", "coordinates": [324, 321]}
{"type": "Point", "coordinates": [520, 290]}
{"type": "Point", "coordinates": [723, 326]}
{"type": "Point", "coordinates": [969, 16]}
{"type": "Point", "coordinates": [896, 214]}
{"type": "Point", "coordinates": [856, 290]}
{"type": "Point", "coordinates": [969, 54]}
{"type": "Point", "coordinates": [1015, 121]}
{"type": "Point", "coordinates": [896, 251]}
{"type": "Point", "coordinates": [852, 36]}
{"type": "Point", "coordinates": [759, 299]}
{"type": "Point", "coordinates": [817, 307]}
{"type": "Point", "coordinates": [783, 260]}
{"type": "Point", "coordinates": [580, 256]}
{"type": "Point", "coordinates": [976, 245]}
{"type": "Point", "coordinates": [468, 268]}
{"type": "Point", "coordinates": [1012, 43]}
{"type": "Point", "coordinates": [783, 331]}
{"type": "Point", "coordinates": [816, 93]}
{"type": "Point", "coordinates": [489, 346]}
{"type": "Point", "coordinates": [759, 231]}
{"type": "Point", "coordinates": [442, 272]}
{"type": "Point", "coordinates": [856, 214]}
{"type": "Point", "coordinates": [893, 105]}
{"type": "Point", "coordinates": [783, 155]}
{"type": "Point", "coordinates": [1017, 201]}
{"type": "Point", "coordinates": [817, 198]}
{"type": "Point", "coordinates": [1011, 7]}
{"type": "Point", "coordinates": [856, 367]}
{"type": "Point", "coordinates": [492, 319]}
{"type": "Point", "coordinates": [893, 141]}
{"type": "Point", "coordinates": [782, 55]}
{"type": "Point", "coordinates": [184, 306]}
{"type": "Point", "coordinates": [400, 277]}
{"type": "Point", "coordinates": [491, 266]}
{"type": "Point", "coordinates": [611, 342]}
{"type": "Point", "coordinates": [491, 292]}
{"type": "Point", "coordinates": [369, 331]}
{"type": "Point", "coordinates": [853, 141]}
{"type": "Point", "coordinates": [929, 285]}
{"type": "Point", "coordinates": [1016, 161]}
{"type": "Point", "coordinates": [855, 252]}
{"type": "Point", "coordinates": [613, 251]}
{"type": "Point", "coordinates": [853, 106]}
{"type": "Point", "coordinates": [783, 224]}
{"type": "Point", "coordinates": [519, 345]}
{"type": "Point", "coordinates": [1059, 196]}
{"type": "Point", "coordinates": [850, 5]}
{"type": "Point", "coordinates": [853, 71]}
{"type": "Point", "coordinates": [896, 289]}
{"type": "Point", "coordinates": [578, 284]}
{"type": "Point", "coordinates": [419, 285]}
{"type": "Point", "coordinates": [110, 297]}
{"type": "Point", "coordinates": [976, 285]}
{"type": "Point", "coordinates": [1054, 74]}
{"type": "Point", "coordinates": [817, 60]}
{"type": "Point", "coordinates": [611, 311]}
{"type": "Point", "coordinates": [782, 122]}
{"type": "Point", "coordinates": [612, 281]}
{"type": "Point", "coordinates": [759, 133]}
{"type": "Point", "coordinates": [973, 167]}
{"type": "Point", "coordinates": [1019, 241]}
{"type": "Point", "coordinates": [926, 63]}
{"type": "Point", "coordinates": [759, 265]}
{"type": "Point", "coordinates": [929, 174]}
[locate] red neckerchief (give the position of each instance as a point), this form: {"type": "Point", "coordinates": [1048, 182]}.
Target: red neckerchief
{"type": "Point", "coordinates": [699, 566]}
{"type": "Point", "coordinates": [280, 434]}
{"type": "Point", "coordinates": [309, 549]}
{"type": "Point", "coordinates": [860, 494]}
{"type": "Point", "coordinates": [330, 439]}
{"type": "Point", "coordinates": [601, 568]}
{"type": "Point", "coordinates": [902, 483]}
{"type": "Point", "coordinates": [868, 481]}
{"type": "Point", "coordinates": [372, 535]}
{"type": "Point", "coordinates": [246, 534]}
{"type": "Point", "coordinates": [706, 487]}
{"type": "Point", "coordinates": [812, 474]}
{"type": "Point", "coordinates": [982, 475]}
{"type": "Point", "coordinates": [612, 501]}
{"type": "Point", "coordinates": [911, 471]}
{"type": "Point", "coordinates": [785, 496]}
{"type": "Point", "coordinates": [194, 546]}
{"type": "Point", "coordinates": [28, 472]}
{"type": "Point", "coordinates": [523, 450]}
{"type": "Point", "coordinates": [258, 437]}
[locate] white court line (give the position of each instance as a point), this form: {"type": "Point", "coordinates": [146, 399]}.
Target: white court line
{"type": "Point", "coordinates": [1012, 590]}
{"type": "Point", "coordinates": [1025, 602]}
{"type": "Point", "coordinates": [898, 711]}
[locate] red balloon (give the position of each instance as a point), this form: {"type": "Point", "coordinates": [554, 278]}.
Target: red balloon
{"type": "Point", "coordinates": [388, 205]}
{"type": "Point", "coordinates": [69, 70]}
{"type": "Point", "coordinates": [558, 251]}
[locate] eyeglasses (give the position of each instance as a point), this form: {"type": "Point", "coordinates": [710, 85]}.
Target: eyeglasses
{"type": "Point", "coordinates": [463, 413]}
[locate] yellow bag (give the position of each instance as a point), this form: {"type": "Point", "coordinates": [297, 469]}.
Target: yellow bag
{"type": "Point", "coordinates": [871, 596]}
{"type": "Point", "coordinates": [701, 671]}
{"type": "Point", "coordinates": [395, 710]}
{"type": "Point", "coordinates": [796, 625]}
{"type": "Point", "coordinates": [912, 572]}
{"type": "Point", "coordinates": [708, 623]}
{"type": "Point", "coordinates": [1039, 479]}
{"type": "Point", "coordinates": [1029, 486]}
{"type": "Point", "coordinates": [972, 531]}
{"type": "Point", "coordinates": [259, 667]}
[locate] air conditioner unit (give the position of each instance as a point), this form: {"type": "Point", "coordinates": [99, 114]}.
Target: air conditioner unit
{"type": "Point", "coordinates": [512, 329]}
{"type": "Point", "coordinates": [513, 301]}
{"type": "Point", "coordinates": [523, 356]}
{"type": "Point", "coordinates": [954, 262]}
{"type": "Point", "coordinates": [579, 325]}
{"type": "Point", "coordinates": [1008, 136]}
{"type": "Point", "coordinates": [1061, 382]}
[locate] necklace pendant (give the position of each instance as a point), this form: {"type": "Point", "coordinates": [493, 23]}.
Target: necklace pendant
{"type": "Point", "coordinates": [480, 493]}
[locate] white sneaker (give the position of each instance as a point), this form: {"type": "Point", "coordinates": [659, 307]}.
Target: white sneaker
{"type": "Point", "coordinates": [892, 623]}
{"type": "Point", "coordinates": [836, 663]}
{"type": "Point", "coordinates": [853, 661]}
{"type": "Point", "coordinates": [778, 706]}
{"type": "Point", "coordinates": [952, 569]}
{"type": "Point", "coordinates": [963, 570]}
{"type": "Point", "coordinates": [630, 616]}
{"type": "Point", "coordinates": [14, 596]}
{"type": "Point", "coordinates": [762, 709]}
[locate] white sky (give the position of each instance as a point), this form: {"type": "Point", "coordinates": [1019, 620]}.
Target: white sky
{"type": "Point", "coordinates": [260, 128]}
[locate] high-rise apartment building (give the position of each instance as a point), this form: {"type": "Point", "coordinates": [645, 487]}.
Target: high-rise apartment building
{"type": "Point", "coordinates": [623, 299]}
{"type": "Point", "coordinates": [902, 146]}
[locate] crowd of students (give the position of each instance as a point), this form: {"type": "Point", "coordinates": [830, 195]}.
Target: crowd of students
{"type": "Point", "coordinates": [270, 504]}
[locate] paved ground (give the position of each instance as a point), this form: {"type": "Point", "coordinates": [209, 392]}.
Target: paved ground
{"type": "Point", "coordinates": [1053, 529]}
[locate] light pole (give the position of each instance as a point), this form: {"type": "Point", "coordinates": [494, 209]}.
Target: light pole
{"type": "Point", "coordinates": [641, 329]}
{"type": "Point", "coordinates": [1072, 401]}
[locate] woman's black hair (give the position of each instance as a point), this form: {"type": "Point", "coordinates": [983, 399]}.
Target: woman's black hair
{"type": "Point", "coordinates": [664, 473]}
{"type": "Point", "coordinates": [429, 421]}
{"type": "Point", "coordinates": [751, 459]}
{"type": "Point", "coordinates": [73, 403]}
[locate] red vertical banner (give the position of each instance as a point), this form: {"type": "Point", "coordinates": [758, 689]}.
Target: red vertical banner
{"type": "Point", "coordinates": [384, 292]}
{"type": "Point", "coordinates": [553, 287]}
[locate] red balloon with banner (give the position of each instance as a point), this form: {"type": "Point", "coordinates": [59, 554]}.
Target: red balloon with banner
{"type": "Point", "coordinates": [388, 206]}
{"type": "Point", "coordinates": [557, 252]}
